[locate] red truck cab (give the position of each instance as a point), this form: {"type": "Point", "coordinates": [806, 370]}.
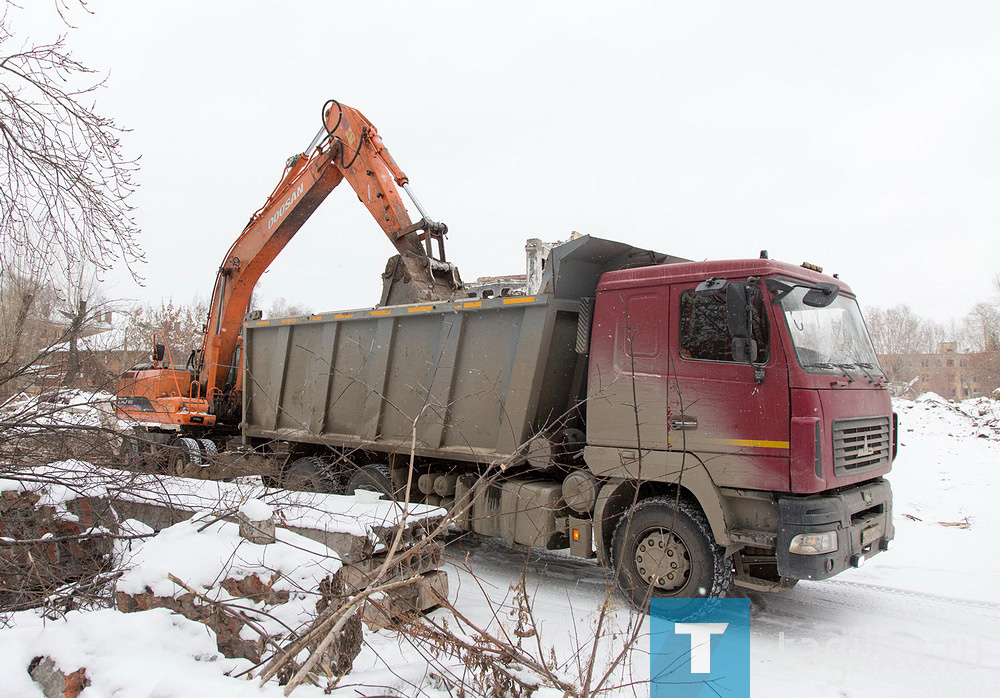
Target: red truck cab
{"type": "Point", "coordinates": [754, 386]}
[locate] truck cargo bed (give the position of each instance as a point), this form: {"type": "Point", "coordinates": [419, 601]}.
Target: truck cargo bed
{"type": "Point", "coordinates": [478, 377]}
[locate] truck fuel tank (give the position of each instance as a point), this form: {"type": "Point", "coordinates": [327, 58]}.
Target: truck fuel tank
{"type": "Point", "coordinates": [520, 511]}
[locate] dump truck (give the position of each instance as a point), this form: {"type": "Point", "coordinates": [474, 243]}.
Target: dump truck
{"type": "Point", "coordinates": [690, 424]}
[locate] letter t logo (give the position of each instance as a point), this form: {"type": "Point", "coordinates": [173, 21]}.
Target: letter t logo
{"type": "Point", "coordinates": [701, 643]}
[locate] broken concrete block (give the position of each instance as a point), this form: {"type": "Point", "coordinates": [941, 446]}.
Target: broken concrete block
{"type": "Point", "coordinates": [251, 595]}
{"type": "Point", "coordinates": [55, 539]}
{"type": "Point", "coordinates": [53, 682]}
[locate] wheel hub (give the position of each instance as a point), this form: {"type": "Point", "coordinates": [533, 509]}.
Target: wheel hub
{"type": "Point", "coordinates": [662, 560]}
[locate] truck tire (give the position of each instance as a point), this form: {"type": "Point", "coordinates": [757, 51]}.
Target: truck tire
{"type": "Point", "coordinates": [209, 451]}
{"type": "Point", "coordinates": [185, 457]}
{"type": "Point", "coordinates": [375, 477]}
{"type": "Point", "coordinates": [306, 474]}
{"type": "Point", "coordinates": [653, 561]}
{"type": "Point", "coordinates": [130, 452]}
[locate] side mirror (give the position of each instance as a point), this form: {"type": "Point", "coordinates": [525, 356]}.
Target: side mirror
{"type": "Point", "coordinates": [159, 351]}
{"type": "Point", "coordinates": [736, 310]}
{"type": "Point", "coordinates": [744, 350]}
{"type": "Point", "coordinates": [821, 295]}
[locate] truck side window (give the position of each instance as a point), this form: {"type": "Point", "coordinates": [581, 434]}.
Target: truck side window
{"type": "Point", "coordinates": [704, 334]}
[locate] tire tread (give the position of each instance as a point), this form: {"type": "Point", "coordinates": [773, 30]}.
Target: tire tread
{"type": "Point", "coordinates": [722, 577]}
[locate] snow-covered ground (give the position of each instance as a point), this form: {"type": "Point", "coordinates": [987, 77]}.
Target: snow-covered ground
{"type": "Point", "coordinates": [66, 407]}
{"type": "Point", "coordinates": [921, 620]}
{"type": "Point", "coordinates": [357, 515]}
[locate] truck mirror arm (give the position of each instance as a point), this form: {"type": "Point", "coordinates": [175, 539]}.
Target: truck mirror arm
{"type": "Point", "coordinates": [819, 295]}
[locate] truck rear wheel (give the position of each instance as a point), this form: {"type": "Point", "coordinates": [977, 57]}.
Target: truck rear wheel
{"type": "Point", "coordinates": [306, 474]}
{"type": "Point", "coordinates": [375, 478]}
{"type": "Point", "coordinates": [209, 451]}
{"type": "Point", "coordinates": [665, 549]}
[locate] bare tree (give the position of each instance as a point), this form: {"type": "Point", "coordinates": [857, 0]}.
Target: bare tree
{"type": "Point", "coordinates": [65, 180]}
{"type": "Point", "coordinates": [64, 190]}
{"type": "Point", "coordinates": [20, 297]}
{"type": "Point", "coordinates": [982, 326]}
{"type": "Point", "coordinates": [180, 326]}
{"type": "Point", "coordinates": [899, 330]}
{"type": "Point", "coordinates": [280, 307]}
{"type": "Point", "coordinates": [53, 334]}
{"type": "Point", "coordinates": [82, 307]}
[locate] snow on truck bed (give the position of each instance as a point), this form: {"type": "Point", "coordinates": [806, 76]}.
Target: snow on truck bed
{"type": "Point", "coordinates": [331, 513]}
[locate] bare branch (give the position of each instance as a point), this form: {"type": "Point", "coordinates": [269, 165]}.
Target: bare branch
{"type": "Point", "coordinates": [64, 180]}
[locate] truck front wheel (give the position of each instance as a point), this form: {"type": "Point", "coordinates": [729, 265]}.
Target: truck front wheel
{"type": "Point", "coordinates": [664, 548]}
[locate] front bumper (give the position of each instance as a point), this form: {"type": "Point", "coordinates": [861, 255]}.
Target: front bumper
{"type": "Point", "coordinates": [861, 515]}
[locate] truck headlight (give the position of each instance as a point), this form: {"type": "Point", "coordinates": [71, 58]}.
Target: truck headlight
{"type": "Point", "coordinates": [814, 543]}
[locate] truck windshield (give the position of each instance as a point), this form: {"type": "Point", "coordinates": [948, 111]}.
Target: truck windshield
{"type": "Point", "coordinates": [827, 339]}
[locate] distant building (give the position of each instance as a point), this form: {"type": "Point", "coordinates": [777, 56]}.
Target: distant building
{"type": "Point", "coordinates": [948, 372]}
{"type": "Point", "coordinates": [101, 348]}
{"type": "Point", "coordinates": [497, 286]}
{"type": "Point", "coordinates": [51, 328]}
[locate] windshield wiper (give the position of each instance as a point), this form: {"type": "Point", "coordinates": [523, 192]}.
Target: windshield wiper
{"type": "Point", "coordinates": [843, 368]}
{"type": "Point", "coordinates": [830, 367]}
{"type": "Point", "coordinates": [864, 366]}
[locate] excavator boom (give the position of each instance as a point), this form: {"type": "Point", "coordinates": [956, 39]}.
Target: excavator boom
{"type": "Point", "coordinates": [347, 147]}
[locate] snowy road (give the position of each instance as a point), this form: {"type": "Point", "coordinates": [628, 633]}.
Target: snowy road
{"type": "Point", "coordinates": [922, 620]}
{"type": "Point", "coordinates": [838, 638]}
{"type": "Point", "coordinates": [845, 638]}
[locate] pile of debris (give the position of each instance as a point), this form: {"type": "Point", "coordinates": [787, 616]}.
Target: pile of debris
{"type": "Point", "coordinates": [981, 414]}
{"type": "Point", "coordinates": [256, 591]}
{"type": "Point", "coordinates": [283, 579]}
{"type": "Point", "coordinates": [50, 537]}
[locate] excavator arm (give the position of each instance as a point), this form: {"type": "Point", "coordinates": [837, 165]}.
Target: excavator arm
{"type": "Point", "coordinates": [347, 147]}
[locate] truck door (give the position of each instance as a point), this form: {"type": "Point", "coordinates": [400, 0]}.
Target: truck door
{"type": "Point", "coordinates": [733, 415]}
{"type": "Point", "coordinates": [627, 389]}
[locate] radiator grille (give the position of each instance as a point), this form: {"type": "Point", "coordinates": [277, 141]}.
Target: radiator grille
{"type": "Point", "coordinates": [861, 444]}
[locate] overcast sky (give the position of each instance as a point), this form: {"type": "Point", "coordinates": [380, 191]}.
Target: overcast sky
{"type": "Point", "coordinates": [860, 136]}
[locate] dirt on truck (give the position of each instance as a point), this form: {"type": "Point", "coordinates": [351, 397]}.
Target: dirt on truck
{"type": "Point", "coordinates": [690, 424]}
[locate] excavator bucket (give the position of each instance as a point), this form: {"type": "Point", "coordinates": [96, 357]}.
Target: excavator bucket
{"type": "Point", "coordinates": [409, 278]}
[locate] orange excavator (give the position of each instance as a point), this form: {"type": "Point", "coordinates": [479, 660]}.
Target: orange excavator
{"type": "Point", "coordinates": [165, 401]}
